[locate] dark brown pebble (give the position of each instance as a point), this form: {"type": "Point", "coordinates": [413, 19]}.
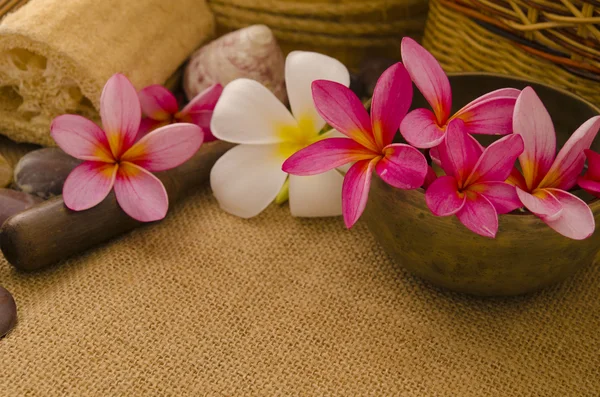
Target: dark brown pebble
{"type": "Point", "coordinates": [8, 312]}
{"type": "Point", "coordinates": [13, 202]}
{"type": "Point", "coordinates": [43, 172]}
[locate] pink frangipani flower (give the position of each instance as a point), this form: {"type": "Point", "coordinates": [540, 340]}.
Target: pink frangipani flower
{"type": "Point", "coordinates": [590, 182]}
{"type": "Point", "coordinates": [473, 188]}
{"type": "Point", "coordinates": [112, 158]}
{"type": "Point", "coordinates": [369, 143]}
{"type": "Point", "coordinates": [160, 108]}
{"type": "Point", "coordinates": [490, 114]}
{"type": "Point", "coordinates": [547, 177]}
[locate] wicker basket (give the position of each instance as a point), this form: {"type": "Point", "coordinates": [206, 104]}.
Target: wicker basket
{"type": "Point", "coordinates": [349, 30]}
{"type": "Point", "coordinates": [556, 42]}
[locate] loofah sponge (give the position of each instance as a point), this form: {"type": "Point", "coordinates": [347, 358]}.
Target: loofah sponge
{"type": "Point", "coordinates": [56, 55]}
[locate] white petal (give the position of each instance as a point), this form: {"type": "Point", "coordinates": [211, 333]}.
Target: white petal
{"type": "Point", "coordinates": [317, 195]}
{"type": "Point", "coordinates": [247, 112]}
{"type": "Point", "coordinates": [301, 69]}
{"type": "Point", "coordinates": [246, 179]}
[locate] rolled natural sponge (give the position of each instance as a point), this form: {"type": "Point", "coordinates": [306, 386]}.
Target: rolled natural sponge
{"type": "Point", "coordinates": [56, 55]}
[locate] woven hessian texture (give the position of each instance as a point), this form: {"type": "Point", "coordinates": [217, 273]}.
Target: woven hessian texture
{"type": "Point", "coordinates": [209, 304]}
{"type": "Point", "coordinates": [462, 45]}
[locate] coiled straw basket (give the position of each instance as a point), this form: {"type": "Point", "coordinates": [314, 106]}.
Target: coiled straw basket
{"type": "Point", "coordinates": [552, 41]}
{"type": "Point", "coordinates": [349, 30]}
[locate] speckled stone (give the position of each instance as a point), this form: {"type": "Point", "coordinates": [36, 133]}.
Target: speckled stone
{"type": "Point", "coordinates": [8, 312]}
{"type": "Point", "coordinates": [43, 172]}
{"type": "Point", "coordinates": [13, 202]}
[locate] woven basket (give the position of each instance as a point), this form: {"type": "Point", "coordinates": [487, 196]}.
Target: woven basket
{"type": "Point", "coordinates": [349, 30]}
{"type": "Point", "coordinates": [555, 42]}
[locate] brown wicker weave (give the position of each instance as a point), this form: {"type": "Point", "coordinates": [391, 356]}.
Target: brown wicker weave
{"type": "Point", "coordinates": [349, 30]}
{"type": "Point", "coordinates": [556, 42]}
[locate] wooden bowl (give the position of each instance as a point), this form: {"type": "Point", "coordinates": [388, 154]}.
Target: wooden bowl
{"type": "Point", "coordinates": [526, 254]}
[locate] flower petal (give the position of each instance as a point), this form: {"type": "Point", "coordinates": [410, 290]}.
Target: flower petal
{"type": "Point", "coordinates": [355, 190]}
{"type": "Point", "coordinates": [479, 215]}
{"type": "Point", "coordinates": [442, 196]}
{"type": "Point", "coordinates": [571, 159]}
{"type": "Point", "coordinates": [121, 113]}
{"type": "Point", "coordinates": [342, 109]}
{"type": "Point", "coordinates": [593, 170]}
{"type": "Point", "coordinates": [165, 148]}
{"type": "Point", "coordinates": [459, 153]}
{"type": "Point", "coordinates": [497, 161]}
{"type": "Point", "coordinates": [532, 121]}
{"type": "Point", "coordinates": [157, 102]}
{"type": "Point", "coordinates": [301, 69]}
{"type": "Point", "coordinates": [429, 77]}
{"type": "Point", "coordinates": [88, 184]}
{"type": "Point", "coordinates": [148, 125]}
{"type": "Point", "coordinates": [140, 194]}
{"type": "Point", "coordinates": [248, 112]}
{"type": "Point", "coordinates": [542, 203]}
{"type": "Point", "coordinates": [391, 100]}
{"type": "Point", "coordinates": [80, 138]}
{"type": "Point", "coordinates": [421, 130]}
{"type": "Point", "coordinates": [516, 179]}
{"type": "Point", "coordinates": [576, 221]}
{"type": "Point", "coordinates": [492, 116]}
{"type": "Point", "coordinates": [430, 177]}
{"type": "Point", "coordinates": [503, 196]}
{"type": "Point", "coordinates": [206, 100]}
{"type": "Point", "coordinates": [589, 185]}
{"type": "Point", "coordinates": [403, 166]}
{"type": "Point", "coordinates": [316, 195]}
{"type": "Point", "coordinates": [247, 178]}
{"type": "Point", "coordinates": [502, 92]}
{"type": "Point", "coordinates": [325, 155]}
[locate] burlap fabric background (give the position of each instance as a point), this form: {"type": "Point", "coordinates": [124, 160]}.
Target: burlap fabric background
{"type": "Point", "coordinates": [208, 304]}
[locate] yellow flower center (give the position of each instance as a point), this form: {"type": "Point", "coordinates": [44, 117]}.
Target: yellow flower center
{"type": "Point", "coordinates": [297, 137]}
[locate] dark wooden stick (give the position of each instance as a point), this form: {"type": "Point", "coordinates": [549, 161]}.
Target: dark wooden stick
{"type": "Point", "coordinates": [50, 232]}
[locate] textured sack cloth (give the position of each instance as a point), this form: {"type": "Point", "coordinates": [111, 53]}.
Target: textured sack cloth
{"type": "Point", "coordinates": [56, 55]}
{"type": "Point", "coordinates": [206, 304]}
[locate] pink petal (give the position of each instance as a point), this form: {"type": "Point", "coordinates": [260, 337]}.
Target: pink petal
{"type": "Point", "coordinates": [479, 215]}
{"type": "Point", "coordinates": [157, 102]}
{"type": "Point", "coordinates": [206, 100]}
{"type": "Point", "coordinates": [542, 203]}
{"type": "Point", "coordinates": [80, 138]}
{"type": "Point", "coordinates": [342, 109]}
{"type": "Point", "coordinates": [208, 135]}
{"type": "Point", "coordinates": [532, 121]}
{"type": "Point", "coordinates": [442, 196]}
{"type": "Point", "coordinates": [429, 77]}
{"type": "Point", "coordinates": [140, 194]}
{"type": "Point", "coordinates": [325, 155]}
{"type": "Point", "coordinates": [201, 118]}
{"type": "Point", "coordinates": [459, 153]}
{"type": "Point", "coordinates": [490, 117]}
{"type": "Point", "coordinates": [497, 161]}
{"type": "Point", "coordinates": [503, 196]}
{"type": "Point", "coordinates": [589, 185]}
{"type": "Point", "coordinates": [166, 147]}
{"type": "Point", "coordinates": [355, 190]}
{"type": "Point", "coordinates": [402, 167]}
{"type": "Point", "coordinates": [391, 100]}
{"type": "Point", "coordinates": [421, 130]}
{"type": "Point", "coordinates": [121, 113]}
{"type": "Point", "coordinates": [593, 170]}
{"type": "Point", "coordinates": [516, 179]}
{"type": "Point", "coordinates": [502, 92]}
{"type": "Point", "coordinates": [571, 159]}
{"type": "Point", "coordinates": [88, 184]}
{"type": "Point", "coordinates": [576, 221]}
{"type": "Point", "coordinates": [429, 178]}
{"type": "Point", "coordinates": [148, 125]}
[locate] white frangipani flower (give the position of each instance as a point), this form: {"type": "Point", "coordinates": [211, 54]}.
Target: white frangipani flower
{"type": "Point", "coordinates": [249, 177]}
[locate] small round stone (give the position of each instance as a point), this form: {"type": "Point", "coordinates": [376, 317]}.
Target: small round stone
{"type": "Point", "coordinates": [43, 172]}
{"type": "Point", "coordinates": [13, 202]}
{"type": "Point", "coordinates": [8, 312]}
{"type": "Point", "coordinates": [6, 172]}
